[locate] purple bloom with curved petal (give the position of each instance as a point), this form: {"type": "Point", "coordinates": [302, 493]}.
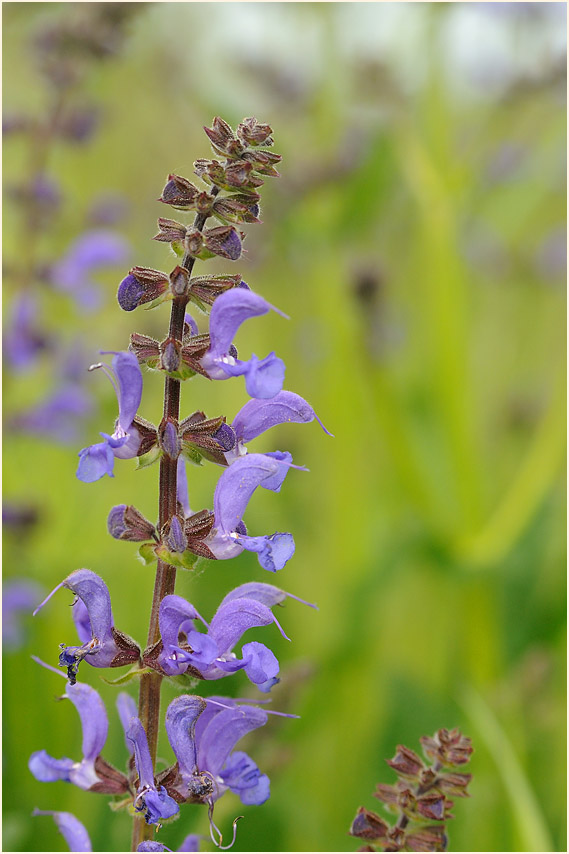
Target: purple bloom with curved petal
{"type": "Point", "coordinates": [23, 339]}
{"type": "Point", "coordinates": [95, 726]}
{"type": "Point", "coordinates": [211, 654]}
{"type": "Point", "coordinates": [263, 378]}
{"type": "Point", "coordinates": [98, 460]}
{"type": "Point", "coordinates": [95, 626]}
{"type": "Point", "coordinates": [260, 415]}
{"type": "Point", "coordinates": [56, 416]}
{"type": "Point", "coordinates": [155, 802]}
{"type": "Point", "coordinates": [70, 828]}
{"type": "Point", "coordinates": [202, 735]}
{"type": "Point", "coordinates": [232, 493]}
{"type": "Point", "coordinates": [93, 251]}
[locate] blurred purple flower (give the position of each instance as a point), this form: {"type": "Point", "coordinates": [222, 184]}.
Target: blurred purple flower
{"type": "Point", "coordinates": [19, 596]}
{"type": "Point", "coordinates": [58, 416]}
{"type": "Point", "coordinates": [108, 209]}
{"type": "Point", "coordinates": [93, 251]}
{"type": "Point", "coordinates": [23, 340]}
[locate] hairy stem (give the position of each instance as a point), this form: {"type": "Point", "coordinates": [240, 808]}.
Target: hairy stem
{"type": "Point", "coordinates": [151, 683]}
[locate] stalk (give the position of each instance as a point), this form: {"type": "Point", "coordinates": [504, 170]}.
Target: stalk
{"type": "Point", "coordinates": [165, 582]}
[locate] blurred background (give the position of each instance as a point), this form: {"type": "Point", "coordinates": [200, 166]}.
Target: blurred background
{"type": "Point", "coordinates": [417, 240]}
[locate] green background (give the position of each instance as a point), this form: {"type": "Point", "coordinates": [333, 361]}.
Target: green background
{"type": "Point", "coordinates": [415, 239]}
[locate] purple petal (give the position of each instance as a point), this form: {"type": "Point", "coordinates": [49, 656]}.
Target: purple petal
{"type": "Point", "coordinates": [93, 717]}
{"type": "Point", "coordinates": [158, 805]}
{"type": "Point", "coordinates": [267, 594]}
{"type": "Point", "coordinates": [94, 462]}
{"type": "Point", "coordinates": [70, 828]}
{"type": "Point", "coordinates": [181, 717]}
{"type": "Point", "coordinates": [284, 458]}
{"type": "Point", "coordinates": [129, 293]}
{"type": "Point", "coordinates": [236, 486]}
{"type": "Point", "coordinates": [46, 769]}
{"type": "Point", "coordinates": [127, 710]}
{"type": "Point", "coordinates": [129, 377]}
{"type": "Point", "coordinates": [136, 734]}
{"type": "Point", "coordinates": [273, 552]}
{"type": "Point", "coordinates": [233, 619]}
{"type": "Point", "coordinates": [94, 593]}
{"type": "Point", "coordinates": [82, 622]}
{"type": "Point", "coordinates": [190, 843]}
{"type": "Point", "coordinates": [228, 312]}
{"type": "Point", "coordinates": [152, 846]}
{"type": "Point", "coordinates": [192, 324]}
{"type": "Point", "coordinates": [260, 415]}
{"type": "Point", "coordinates": [243, 777]}
{"type": "Point", "coordinates": [261, 664]}
{"type": "Point", "coordinates": [182, 487]}
{"type": "Point", "coordinates": [263, 378]}
{"type": "Point", "coordinates": [222, 734]}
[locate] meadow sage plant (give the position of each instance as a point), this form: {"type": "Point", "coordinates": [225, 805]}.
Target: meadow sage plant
{"type": "Point", "coordinates": [181, 645]}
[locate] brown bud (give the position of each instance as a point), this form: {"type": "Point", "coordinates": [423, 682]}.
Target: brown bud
{"type": "Point", "coordinates": [170, 355]}
{"type": "Point", "coordinates": [406, 762]}
{"type": "Point", "coordinates": [455, 784]}
{"type": "Point", "coordinates": [207, 288]}
{"type": "Point", "coordinates": [254, 133]}
{"type": "Point", "coordinates": [148, 435]}
{"type": "Point", "coordinates": [127, 523]}
{"type": "Point", "coordinates": [368, 825]}
{"type": "Point", "coordinates": [193, 243]}
{"type": "Point", "coordinates": [171, 231]}
{"type": "Point", "coordinates": [220, 134]}
{"type": "Point", "coordinates": [145, 349]}
{"type": "Point", "coordinates": [179, 280]}
{"type": "Point", "coordinates": [432, 806]}
{"type": "Point", "coordinates": [179, 192]}
{"type": "Point", "coordinates": [263, 162]}
{"type": "Point", "coordinates": [432, 838]}
{"type": "Point", "coordinates": [387, 794]}
{"type": "Point", "coordinates": [224, 241]}
{"type": "Point", "coordinates": [449, 747]}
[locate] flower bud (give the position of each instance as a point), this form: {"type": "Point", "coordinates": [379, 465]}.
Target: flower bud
{"type": "Point", "coordinates": [368, 825]}
{"type": "Point", "coordinates": [179, 279]}
{"type": "Point", "coordinates": [169, 439]}
{"type": "Point", "coordinates": [405, 762]}
{"type": "Point", "coordinates": [179, 192]}
{"type": "Point", "coordinates": [173, 535]}
{"type": "Point", "coordinates": [193, 243]}
{"type": "Point", "coordinates": [253, 133]}
{"type": "Point", "coordinates": [204, 289]}
{"type": "Point", "coordinates": [170, 354]}
{"type": "Point", "coordinates": [171, 231]}
{"type": "Point", "coordinates": [142, 285]}
{"type": "Point", "coordinates": [126, 523]}
{"type": "Point", "coordinates": [145, 348]}
{"type": "Point", "coordinates": [224, 241]}
{"type": "Point", "coordinates": [221, 136]}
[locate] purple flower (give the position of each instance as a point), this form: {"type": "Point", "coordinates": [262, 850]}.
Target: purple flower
{"type": "Point", "coordinates": [263, 378]}
{"type": "Point", "coordinates": [91, 772]}
{"type": "Point", "coordinates": [70, 828]}
{"type": "Point", "coordinates": [23, 340]}
{"type": "Point", "coordinates": [98, 460]}
{"type": "Point", "coordinates": [202, 735]}
{"type": "Point", "coordinates": [57, 416]}
{"type": "Point", "coordinates": [211, 655]}
{"type": "Point", "coordinates": [102, 644]}
{"type": "Point", "coordinates": [190, 843]}
{"type": "Point", "coordinates": [260, 415]}
{"type": "Point", "coordinates": [92, 251]}
{"type": "Point", "coordinates": [155, 802]}
{"type": "Point", "coordinates": [232, 493]}
{"type": "Point", "coordinates": [18, 598]}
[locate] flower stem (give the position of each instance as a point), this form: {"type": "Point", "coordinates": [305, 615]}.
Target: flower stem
{"type": "Point", "coordinates": [151, 683]}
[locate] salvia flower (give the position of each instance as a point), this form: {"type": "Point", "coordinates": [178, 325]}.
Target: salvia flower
{"type": "Point", "coordinates": [93, 251]}
{"type": "Point", "coordinates": [92, 772]}
{"type": "Point", "coordinates": [263, 378]}
{"type": "Point", "coordinates": [190, 843]}
{"type": "Point", "coordinates": [260, 415]}
{"type": "Point", "coordinates": [97, 460]}
{"type": "Point", "coordinates": [102, 644]}
{"type": "Point", "coordinates": [153, 800]}
{"type": "Point", "coordinates": [202, 735]}
{"type": "Point", "coordinates": [210, 655]}
{"type": "Point", "coordinates": [70, 828]}
{"type": "Point", "coordinates": [228, 536]}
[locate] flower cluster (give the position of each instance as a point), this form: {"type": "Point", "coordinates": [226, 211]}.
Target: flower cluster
{"type": "Point", "coordinates": [420, 798]}
{"type": "Point", "coordinates": [182, 647]}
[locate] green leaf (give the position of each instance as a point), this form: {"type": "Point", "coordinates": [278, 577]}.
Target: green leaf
{"type": "Point", "coordinates": [191, 453]}
{"type": "Point", "coordinates": [147, 553]}
{"type": "Point", "coordinates": [134, 673]}
{"type": "Point", "coordinates": [149, 458]}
